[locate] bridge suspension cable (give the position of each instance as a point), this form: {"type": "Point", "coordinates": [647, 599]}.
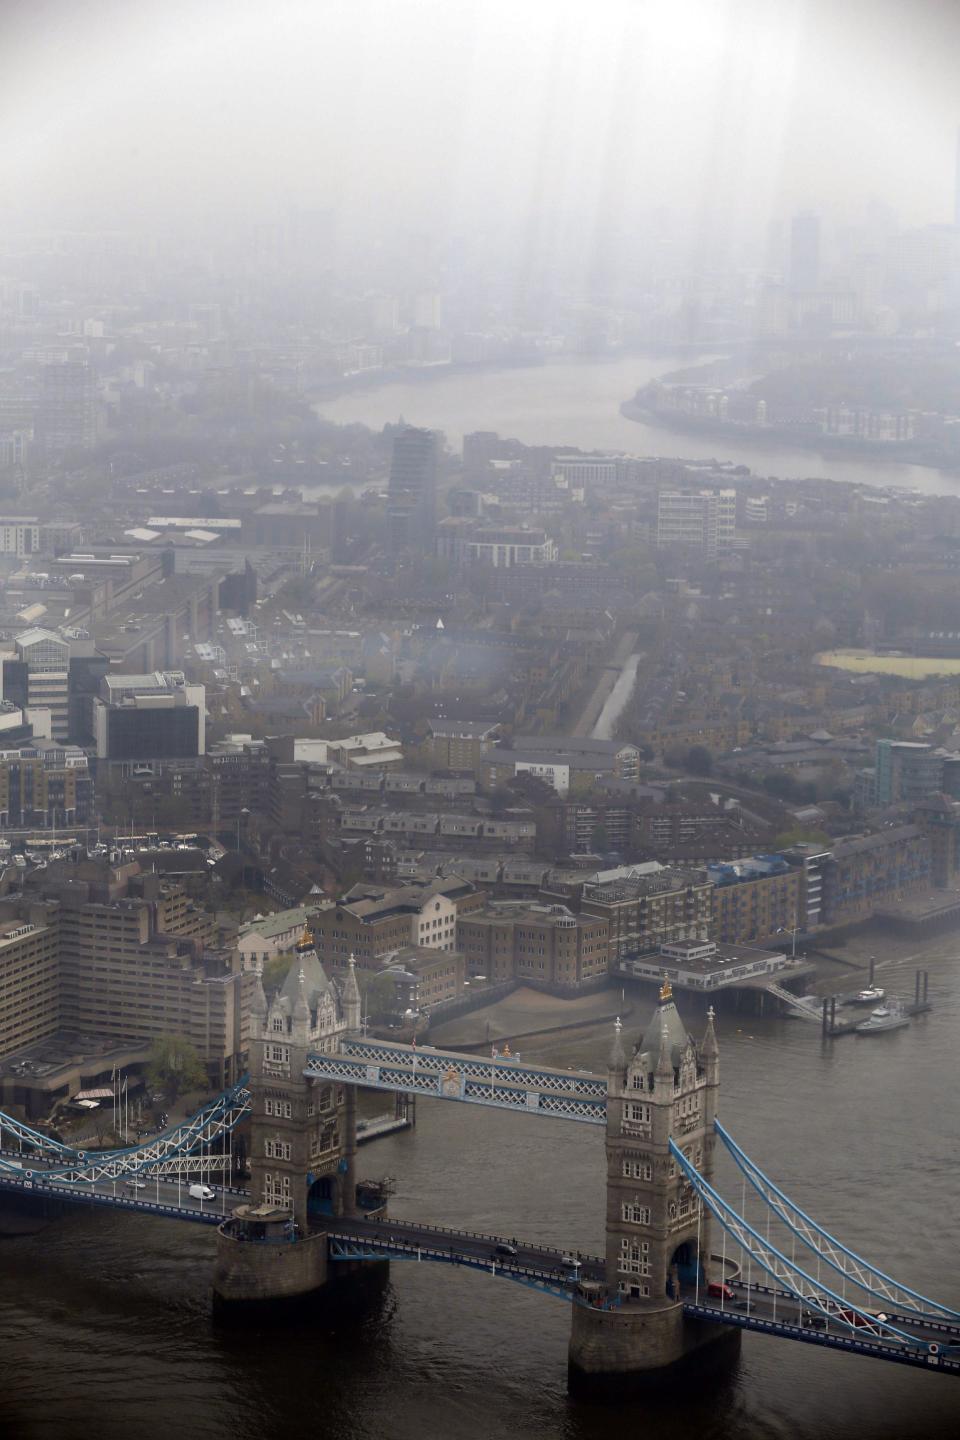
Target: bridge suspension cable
{"type": "Point", "coordinates": [167, 1153]}
{"type": "Point", "coordinates": [812, 1294]}
{"type": "Point", "coordinates": [844, 1261]}
{"type": "Point", "coordinates": [13, 1130]}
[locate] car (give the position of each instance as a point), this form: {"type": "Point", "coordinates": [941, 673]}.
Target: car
{"type": "Point", "coordinates": [570, 1261]}
{"type": "Point", "coordinates": [812, 1320]}
{"type": "Point", "coordinates": [202, 1192]}
{"type": "Point", "coordinates": [504, 1248]}
{"type": "Point", "coordinates": [134, 1184]}
{"type": "Point", "coordinates": [719, 1291]}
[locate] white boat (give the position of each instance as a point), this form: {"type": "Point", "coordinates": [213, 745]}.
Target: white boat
{"type": "Point", "coordinates": [873, 995]}
{"type": "Point", "coordinates": [883, 1018]}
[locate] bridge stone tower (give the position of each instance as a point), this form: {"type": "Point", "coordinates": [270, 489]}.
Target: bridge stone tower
{"type": "Point", "coordinates": [302, 1138]}
{"type": "Point", "coordinates": [302, 1132]}
{"type": "Point", "coordinates": [656, 1236]}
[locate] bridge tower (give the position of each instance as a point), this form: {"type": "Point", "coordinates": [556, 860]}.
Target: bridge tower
{"type": "Point", "coordinates": [657, 1237]}
{"type": "Point", "coordinates": [302, 1137]}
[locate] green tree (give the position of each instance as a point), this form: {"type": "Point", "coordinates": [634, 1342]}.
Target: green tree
{"type": "Point", "coordinates": [699, 760]}
{"type": "Point", "coordinates": [599, 839]}
{"type": "Point", "coordinates": [175, 1066]}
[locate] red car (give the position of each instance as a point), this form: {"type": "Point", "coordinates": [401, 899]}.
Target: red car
{"type": "Point", "coordinates": [719, 1291]}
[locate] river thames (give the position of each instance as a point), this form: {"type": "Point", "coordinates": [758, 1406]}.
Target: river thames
{"type": "Point", "coordinates": [107, 1327]}
{"type": "Point", "coordinates": [577, 402]}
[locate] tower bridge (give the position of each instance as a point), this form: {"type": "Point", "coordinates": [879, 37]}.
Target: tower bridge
{"type": "Point", "coordinates": [684, 1271]}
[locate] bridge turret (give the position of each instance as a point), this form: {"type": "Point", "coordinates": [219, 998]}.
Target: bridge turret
{"type": "Point", "coordinates": [351, 999]}
{"type": "Point", "coordinates": [657, 1239]}
{"type": "Point", "coordinates": [301, 1142]}
{"type": "Point", "coordinates": [617, 1062]}
{"type": "Point", "coordinates": [258, 1003]}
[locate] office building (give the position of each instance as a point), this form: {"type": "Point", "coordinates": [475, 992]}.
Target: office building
{"type": "Point", "coordinates": [66, 410]}
{"type": "Point", "coordinates": [470, 542]}
{"type": "Point", "coordinates": [37, 676]}
{"type": "Point", "coordinates": [29, 979]}
{"type": "Point", "coordinates": [19, 534]}
{"type": "Point", "coordinates": [907, 771]}
{"type": "Point", "coordinates": [701, 520]}
{"type": "Point", "coordinates": [133, 962]}
{"type": "Point", "coordinates": [149, 717]}
{"type": "Point", "coordinates": [412, 490]}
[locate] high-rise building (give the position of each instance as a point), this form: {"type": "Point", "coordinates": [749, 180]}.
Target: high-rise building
{"type": "Point", "coordinates": [699, 519]}
{"type": "Point", "coordinates": [39, 678]}
{"type": "Point", "coordinates": [149, 717]}
{"type": "Point", "coordinates": [805, 251]}
{"type": "Point", "coordinates": [412, 491]}
{"type": "Point", "coordinates": [66, 411]}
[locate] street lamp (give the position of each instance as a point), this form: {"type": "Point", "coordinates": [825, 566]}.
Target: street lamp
{"type": "Point", "coordinates": [792, 932]}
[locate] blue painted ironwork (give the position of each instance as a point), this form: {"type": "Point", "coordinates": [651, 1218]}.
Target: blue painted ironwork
{"type": "Point", "coordinates": [843, 1260]}
{"type": "Point", "coordinates": [946, 1360]}
{"type": "Point", "coordinates": [452, 1081]}
{"type": "Point", "coordinates": [166, 1153]}
{"type": "Point", "coordinates": [804, 1288]}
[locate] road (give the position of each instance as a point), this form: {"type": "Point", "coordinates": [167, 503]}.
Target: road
{"type": "Point", "coordinates": [168, 1195]}
{"type": "Point", "coordinates": [784, 1310]}
{"type": "Point", "coordinates": [436, 1241]}
{"type": "Point", "coordinates": [605, 683]}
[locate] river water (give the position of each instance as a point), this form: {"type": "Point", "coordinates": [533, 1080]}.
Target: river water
{"type": "Point", "coordinates": [577, 402]}
{"type": "Point", "coordinates": [106, 1325]}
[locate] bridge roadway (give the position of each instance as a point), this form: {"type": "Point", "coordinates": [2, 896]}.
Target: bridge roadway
{"type": "Point", "coordinates": [163, 1198]}
{"type": "Point", "coordinates": [757, 1307]}
{"type": "Point", "coordinates": [541, 1264]}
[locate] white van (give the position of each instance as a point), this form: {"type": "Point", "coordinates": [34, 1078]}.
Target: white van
{"type": "Point", "coordinates": [202, 1192]}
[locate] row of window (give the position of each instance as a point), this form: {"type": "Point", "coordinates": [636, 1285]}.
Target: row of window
{"type": "Point", "coordinates": [637, 1167]}
{"type": "Point", "coordinates": [283, 1109]}
{"type": "Point", "coordinates": [277, 1149]}
{"type": "Point", "coordinates": [635, 1213]}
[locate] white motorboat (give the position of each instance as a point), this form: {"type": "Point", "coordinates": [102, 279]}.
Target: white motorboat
{"type": "Point", "coordinates": [872, 995]}
{"type": "Point", "coordinates": [883, 1018]}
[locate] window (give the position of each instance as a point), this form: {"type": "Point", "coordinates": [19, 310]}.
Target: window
{"type": "Point", "coordinates": [278, 1025]}
{"type": "Point", "coordinates": [279, 1054]}
{"type": "Point", "coordinates": [636, 1113]}
{"type": "Point", "coordinates": [637, 1167]}
{"type": "Point", "coordinates": [276, 1189]}
{"type": "Point", "coordinates": [634, 1257]}
{"type": "Point", "coordinates": [277, 1149]}
{"type": "Point", "coordinates": [635, 1213]}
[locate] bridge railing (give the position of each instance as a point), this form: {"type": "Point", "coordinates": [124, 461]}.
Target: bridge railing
{"type": "Point", "coordinates": [367, 1227]}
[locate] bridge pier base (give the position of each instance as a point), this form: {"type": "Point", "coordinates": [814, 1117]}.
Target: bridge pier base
{"type": "Point", "coordinates": [629, 1350]}
{"type": "Point", "coordinates": [247, 1271]}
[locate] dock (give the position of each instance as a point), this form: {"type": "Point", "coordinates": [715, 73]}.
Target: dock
{"type": "Point", "coordinates": [832, 1027]}
{"type": "Point", "coordinates": [402, 1117]}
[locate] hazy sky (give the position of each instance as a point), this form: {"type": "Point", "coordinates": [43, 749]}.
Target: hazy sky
{"type": "Point", "coordinates": [537, 114]}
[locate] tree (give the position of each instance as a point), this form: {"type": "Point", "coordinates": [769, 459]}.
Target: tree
{"type": "Point", "coordinates": [175, 1066]}
{"type": "Point", "coordinates": [599, 839]}
{"type": "Point", "coordinates": [699, 760]}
